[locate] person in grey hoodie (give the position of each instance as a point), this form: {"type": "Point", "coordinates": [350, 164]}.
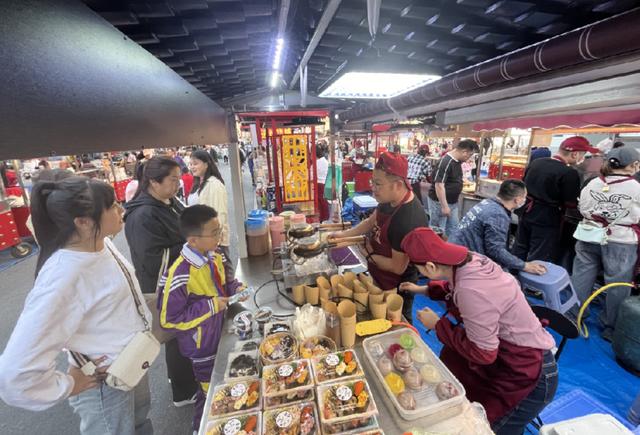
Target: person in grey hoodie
{"type": "Point", "coordinates": [485, 228]}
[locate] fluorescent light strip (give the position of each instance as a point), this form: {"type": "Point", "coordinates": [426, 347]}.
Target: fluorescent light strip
{"type": "Point", "coordinates": [375, 85]}
{"type": "Point", "coordinates": [274, 78]}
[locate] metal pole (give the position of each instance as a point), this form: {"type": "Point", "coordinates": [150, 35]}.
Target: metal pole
{"type": "Point", "coordinates": [237, 191]}
{"type": "Point", "coordinates": [276, 171]}
{"type": "Point", "coordinates": [314, 173]}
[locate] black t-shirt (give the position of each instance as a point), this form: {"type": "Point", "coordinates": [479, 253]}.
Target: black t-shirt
{"type": "Point", "coordinates": [447, 171]}
{"type": "Point", "coordinates": [554, 187]}
{"type": "Point", "coordinates": [408, 217]}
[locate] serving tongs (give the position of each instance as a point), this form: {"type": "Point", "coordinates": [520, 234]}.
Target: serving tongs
{"type": "Point", "coordinates": [308, 230]}
{"type": "Point", "coordinates": [316, 248]}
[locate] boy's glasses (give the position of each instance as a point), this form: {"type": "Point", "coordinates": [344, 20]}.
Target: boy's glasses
{"type": "Point", "coordinates": [216, 233]}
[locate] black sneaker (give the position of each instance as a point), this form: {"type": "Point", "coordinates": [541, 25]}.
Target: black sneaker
{"type": "Point", "coordinates": [186, 402]}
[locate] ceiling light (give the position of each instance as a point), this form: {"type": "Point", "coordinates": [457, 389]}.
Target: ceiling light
{"type": "Point", "coordinates": [278, 53]}
{"type": "Point", "coordinates": [274, 79]}
{"type": "Point", "coordinates": [375, 85]}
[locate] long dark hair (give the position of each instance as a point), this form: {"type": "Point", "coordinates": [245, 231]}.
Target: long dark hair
{"type": "Point", "coordinates": [212, 170]}
{"type": "Point", "coordinates": [55, 205]}
{"type": "Point", "coordinates": [155, 169]}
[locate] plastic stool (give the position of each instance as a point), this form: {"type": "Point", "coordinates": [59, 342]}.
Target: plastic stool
{"type": "Point", "coordinates": [555, 286]}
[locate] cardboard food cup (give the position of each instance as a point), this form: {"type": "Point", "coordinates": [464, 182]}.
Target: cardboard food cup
{"type": "Point", "coordinates": [364, 278]}
{"type": "Point", "coordinates": [378, 310]}
{"type": "Point", "coordinates": [373, 288]}
{"type": "Point", "coordinates": [330, 306]}
{"type": "Point", "coordinates": [311, 294]}
{"type": "Point", "coordinates": [325, 293]}
{"type": "Point", "coordinates": [394, 308]}
{"type": "Point", "coordinates": [349, 278]}
{"type": "Point", "coordinates": [359, 288]}
{"type": "Point", "coordinates": [323, 282]}
{"type": "Point", "coordinates": [335, 280]}
{"type": "Point", "coordinates": [388, 293]}
{"type": "Point", "coordinates": [362, 301]}
{"type": "Point", "coordinates": [347, 313]}
{"type": "Point", "coordinates": [298, 294]}
{"type": "Point", "coordinates": [376, 298]}
{"type": "Point", "coordinates": [345, 292]}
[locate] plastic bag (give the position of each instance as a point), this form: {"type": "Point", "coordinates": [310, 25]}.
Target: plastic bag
{"type": "Point", "coordinates": [309, 322]}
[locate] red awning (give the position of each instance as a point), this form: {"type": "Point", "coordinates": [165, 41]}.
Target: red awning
{"type": "Point", "coordinates": [614, 118]}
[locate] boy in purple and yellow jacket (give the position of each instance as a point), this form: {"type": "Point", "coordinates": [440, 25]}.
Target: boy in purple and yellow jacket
{"type": "Point", "coordinates": [193, 296]}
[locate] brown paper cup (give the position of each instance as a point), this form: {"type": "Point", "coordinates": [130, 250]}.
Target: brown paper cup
{"type": "Point", "coordinates": [349, 278]}
{"type": "Point", "coordinates": [298, 294]}
{"type": "Point", "coordinates": [325, 293]}
{"type": "Point", "coordinates": [347, 313]}
{"type": "Point", "coordinates": [359, 288]}
{"type": "Point", "coordinates": [311, 294]}
{"type": "Point", "coordinates": [376, 298]}
{"type": "Point", "coordinates": [323, 282]}
{"type": "Point", "coordinates": [364, 279]}
{"type": "Point", "coordinates": [388, 293]}
{"type": "Point", "coordinates": [345, 292]}
{"type": "Point", "coordinates": [394, 308]}
{"type": "Point", "coordinates": [378, 310]}
{"type": "Point", "coordinates": [330, 307]}
{"type": "Point", "coordinates": [335, 280]}
{"type": "Point", "coordinates": [363, 301]}
{"type": "Point", "coordinates": [373, 288]}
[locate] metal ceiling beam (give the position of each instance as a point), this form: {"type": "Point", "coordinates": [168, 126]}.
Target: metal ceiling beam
{"type": "Point", "coordinates": [324, 22]}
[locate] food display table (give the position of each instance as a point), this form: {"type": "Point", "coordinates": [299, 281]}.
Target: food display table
{"type": "Point", "coordinates": [470, 421]}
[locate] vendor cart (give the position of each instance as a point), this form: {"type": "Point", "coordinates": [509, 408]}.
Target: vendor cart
{"type": "Point", "coordinates": [9, 233]}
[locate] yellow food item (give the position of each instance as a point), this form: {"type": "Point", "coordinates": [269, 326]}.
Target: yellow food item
{"type": "Point", "coordinates": [362, 399]}
{"type": "Point", "coordinates": [252, 398]}
{"type": "Point", "coordinates": [351, 366]}
{"type": "Point", "coordinates": [395, 383]}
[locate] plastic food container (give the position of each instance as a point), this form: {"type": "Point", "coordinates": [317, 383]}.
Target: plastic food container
{"type": "Point", "coordinates": [298, 419]}
{"type": "Point", "coordinates": [337, 366]}
{"type": "Point", "coordinates": [245, 424]}
{"type": "Point", "coordinates": [242, 365]}
{"type": "Point", "coordinates": [287, 383]}
{"type": "Point", "coordinates": [371, 429]}
{"type": "Point", "coordinates": [275, 326]}
{"type": "Point", "coordinates": [317, 346]}
{"type": "Point", "coordinates": [427, 403]}
{"type": "Point", "coordinates": [247, 345]}
{"type": "Point", "coordinates": [346, 406]}
{"type": "Point", "coordinates": [278, 348]}
{"type": "Point", "coordinates": [235, 398]}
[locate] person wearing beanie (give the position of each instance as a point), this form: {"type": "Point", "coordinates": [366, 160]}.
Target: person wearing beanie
{"type": "Point", "coordinates": [419, 168]}
{"type": "Point", "coordinates": [612, 201]}
{"type": "Point", "coordinates": [493, 342]}
{"type": "Point", "coordinates": [447, 187]}
{"type": "Point", "coordinates": [553, 186]}
{"type": "Point", "coordinates": [398, 213]}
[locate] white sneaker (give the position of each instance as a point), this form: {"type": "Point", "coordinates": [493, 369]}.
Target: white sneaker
{"type": "Point", "coordinates": [186, 402]}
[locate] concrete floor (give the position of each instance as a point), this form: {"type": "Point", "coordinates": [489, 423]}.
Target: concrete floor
{"type": "Point", "coordinates": [60, 420]}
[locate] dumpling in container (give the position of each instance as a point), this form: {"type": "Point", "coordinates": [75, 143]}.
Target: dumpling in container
{"type": "Point", "coordinates": [402, 360]}
{"type": "Point", "coordinates": [407, 401]}
{"type": "Point", "coordinates": [385, 365]}
{"type": "Point", "coordinates": [412, 379]}
{"type": "Point", "coordinates": [446, 390]}
{"type": "Point", "coordinates": [430, 373]}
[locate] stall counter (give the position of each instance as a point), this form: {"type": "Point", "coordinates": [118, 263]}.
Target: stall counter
{"type": "Point", "coordinates": [389, 420]}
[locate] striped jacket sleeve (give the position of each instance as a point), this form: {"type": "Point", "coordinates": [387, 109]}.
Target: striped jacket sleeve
{"type": "Point", "coordinates": [175, 310]}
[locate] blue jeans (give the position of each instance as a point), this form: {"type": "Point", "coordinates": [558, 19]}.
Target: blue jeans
{"type": "Point", "coordinates": [519, 417]}
{"type": "Point", "coordinates": [617, 261]}
{"type": "Point", "coordinates": [445, 224]}
{"type": "Point", "coordinates": [109, 411]}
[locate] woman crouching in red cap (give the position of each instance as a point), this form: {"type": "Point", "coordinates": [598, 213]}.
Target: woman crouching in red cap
{"type": "Point", "coordinates": [502, 354]}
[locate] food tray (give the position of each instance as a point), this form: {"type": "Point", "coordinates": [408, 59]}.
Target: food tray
{"type": "Point", "coordinates": [242, 365]}
{"type": "Point", "coordinates": [345, 406]}
{"type": "Point", "coordinates": [245, 424]}
{"type": "Point", "coordinates": [370, 429]}
{"type": "Point", "coordinates": [243, 345]}
{"type": "Point", "coordinates": [333, 367]}
{"type": "Point", "coordinates": [318, 345]}
{"type": "Point", "coordinates": [276, 326]}
{"type": "Point", "coordinates": [278, 348]}
{"type": "Point", "coordinates": [286, 420]}
{"type": "Point", "coordinates": [427, 402]}
{"type": "Point", "coordinates": [238, 397]}
{"type": "Point", "coordinates": [287, 383]}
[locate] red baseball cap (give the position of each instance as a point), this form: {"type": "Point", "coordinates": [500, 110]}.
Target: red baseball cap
{"type": "Point", "coordinates": [394, 164]}
{"type": "Point", "coordinates": [423, 245]}
{"type": "Point", "coordinates": [578, 143]}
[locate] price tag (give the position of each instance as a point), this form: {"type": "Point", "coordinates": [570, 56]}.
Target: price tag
{"type": "Point", "coordinates": [332, 360]}
{"type": "Point", "coordinates": [344, 393]}
{"type": "Point", "coordinates": [284, 419]}
{"type": "Point", "coordinates": [238, 390]}
{"type": "Point", "coordinates": [232, 427]}
{"type": "Point", "coordinates": [285, 370]}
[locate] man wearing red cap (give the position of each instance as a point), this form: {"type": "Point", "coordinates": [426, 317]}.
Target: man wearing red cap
{"type": "Point", "coordinates": [502, 354]}
{"type": "Point", "coordinates": [553, 186]}
{"type": "Point", "coordinates": [419, 168]}
{"type": "Point", "coordinates": [398, 213]}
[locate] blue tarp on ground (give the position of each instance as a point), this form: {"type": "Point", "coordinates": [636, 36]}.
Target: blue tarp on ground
{"type": "Point", "coordinates": [6, 260]}
{"type": "Point", "coordinates": [585, 364]}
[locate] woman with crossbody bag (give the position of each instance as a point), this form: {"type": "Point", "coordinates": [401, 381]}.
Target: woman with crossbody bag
{"type": "Point", "coordinates": [86, 300]}
{"type": "Point", "coordinates": [608, 234]}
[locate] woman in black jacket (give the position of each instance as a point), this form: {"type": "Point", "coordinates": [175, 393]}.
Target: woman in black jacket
{"type": "Point", "coordinates": [151, 228]}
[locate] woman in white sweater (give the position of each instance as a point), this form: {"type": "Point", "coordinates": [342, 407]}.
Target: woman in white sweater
{"type": "Point", "coordinates": [81, 301]}
{"type": "Point", "coordinates": [209, 189]}
{"type": "Point", "coordinates": [611, 200]}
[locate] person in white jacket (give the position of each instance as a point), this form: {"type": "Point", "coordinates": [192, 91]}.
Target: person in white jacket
{"type": "Point", "coordinates": [81, 301]}
{"type": "Point", "coordinates": [209, 189]}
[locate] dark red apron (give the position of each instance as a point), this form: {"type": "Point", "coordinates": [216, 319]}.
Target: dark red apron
{"type": "Point", "coordinates": [380, 246]}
